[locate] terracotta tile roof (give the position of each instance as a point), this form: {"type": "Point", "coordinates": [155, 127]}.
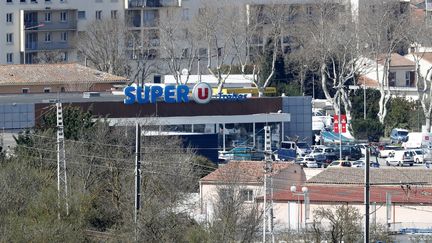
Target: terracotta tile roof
{"type": "Point", "coordinates": [397, 60]}
{"type": "Point", "coordinates": [243, 171]}
{"type": "Point", "coordinates": [377, 176]}
{"type": "Point", "coordinates": [54, 74]}
{"type": "Point", "coordinates": [355, 194]}
{"type": "Point", "coordinates": [424, 55]}
{"type": "Point", "coordinates": [363, 80]}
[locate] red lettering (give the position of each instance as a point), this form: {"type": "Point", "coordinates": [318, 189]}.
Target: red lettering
{"type": "Point", "coordinates": [201, 95]}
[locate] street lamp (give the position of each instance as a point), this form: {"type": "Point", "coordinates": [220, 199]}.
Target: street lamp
{"type": "Point", "coordinates": [304, 193]}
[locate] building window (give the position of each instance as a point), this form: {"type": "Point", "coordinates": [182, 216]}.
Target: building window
{"type": "Point", "coordinates": [48, 37]}
{"type": "Point", "coordinates": [9, 18]}
{"type": "Point", "coordinates": [63, 16]}
{"type": "Point", "coordinates": [33, 1]}
{"type": "Point", "coordinates": [62, 89]}
{"type": "Point", "coordinates": [64, 36]}
{"type": "Point", "coordinates": [185, 14]}
{"type": "Point", "coordinates": [47, 90]}
{"type": "Point", "coordinates": [8, 1]}
{"type": "Point", "coordinates": [25, 90]}
{"type": "Point", "coordinates": [81, 14]}
{"type": "Point", "coordinates": [409, 79]}
{"type": "Point", "coordinates": [309, 10]}
{"type": "Point", "coordinates": [113, 14]}
{"type": "Point", "coordinates": [185, 53]}
{"type": "Point", "coordinates": [47, 17]}
{"type": "Point", "coordinates": [99, 14]}
{"type": "Point", "coordinates": [219, 51]}
{"type": "Point", "coordinates": [22, 1]}
{"type": "Point", "coordinates": [392, 79]}
{"type": "Point", "coordinates": [9, 57]}
{"type": "Point", "coordinates": [65, 56]}
{"type": "Point", "coordinates": [226, 194]}
{"type": "Point", "coordinates": [9, 38]}
{"type": "Point", "coordinates": [246, 195]}
{"type": "Point", "coordinates": [48, 1]}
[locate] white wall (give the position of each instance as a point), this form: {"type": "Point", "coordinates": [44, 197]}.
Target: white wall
{"type": "Point", "coordinates": [405, 215]}
{"type": "Point", "coordinates": [209, 196]}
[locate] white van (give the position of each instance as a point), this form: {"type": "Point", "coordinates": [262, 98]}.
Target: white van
{"type": "Point", "coordinates": [418, 140]}
{"type": "Point", "coordinates": [400, 158]}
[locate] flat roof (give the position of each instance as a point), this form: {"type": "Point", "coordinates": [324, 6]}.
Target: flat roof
{"type": "Point", "coordinates": [193, 120]}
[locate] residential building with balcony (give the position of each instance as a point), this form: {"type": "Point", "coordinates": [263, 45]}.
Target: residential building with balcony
{"type": "Point", "coordinates": [36, 31]}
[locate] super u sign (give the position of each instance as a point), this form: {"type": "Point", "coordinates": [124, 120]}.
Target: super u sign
{"type": "Point", "coordinates": [202, 93]}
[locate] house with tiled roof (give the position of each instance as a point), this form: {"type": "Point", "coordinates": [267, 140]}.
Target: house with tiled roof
{"type": "Point", "coordinates": [401, 76]}
{"type": "Point", "coordinates": [246, 180]}
{"type": "Point", "coordinates": [54, 78]}
{"type": "Point", "coordinates": [423, 57]}
{"type": "Point", "coordinates": [399, 198]}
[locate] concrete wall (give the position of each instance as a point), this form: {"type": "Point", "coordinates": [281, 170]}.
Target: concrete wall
{"type": "Point", "coordinates": [300, 108]}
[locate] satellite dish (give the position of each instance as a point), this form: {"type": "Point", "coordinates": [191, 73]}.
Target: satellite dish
{"type": "Point", "coordinates": [185, 71]}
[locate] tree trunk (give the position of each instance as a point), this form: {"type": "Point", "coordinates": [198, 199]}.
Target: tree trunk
{"type": "Point", "coordinates": [428, 122]}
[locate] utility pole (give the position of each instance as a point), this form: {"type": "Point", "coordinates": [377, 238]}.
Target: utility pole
{"type": "Point", "coordinates": [137, 176]}
{"type": "Point", "coordinates": [62, 188]}
{"type": "Point", "coordinates": [364, 101]}
{"type": "Point", "coordinates": [366, 196]}
{"type": "Point", "coordinates": [268, 169]}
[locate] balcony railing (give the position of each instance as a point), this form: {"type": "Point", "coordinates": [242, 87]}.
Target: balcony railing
{"type": "Point", "coordinates": [153, 3]}
{"type": "Point", "coordinates": [50, 26]}
{"type": "Point", "coordinates": [46, 46]}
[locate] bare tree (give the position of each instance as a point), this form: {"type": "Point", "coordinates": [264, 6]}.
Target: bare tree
{"type": "Point", "coordinates": [214, 27]}
{"type": "Point", "coordinates": [236, 214]}
{"type": "Point", "coordinates": [103, 45]}
{"type": "Point", "coordinates": [179, 45]}
{"type": "Point", "coordinates": [418, 36]}
{"type": "Point", "coordinates": [382, 33]}
{"type": "Point", "coordinates": [330, 39]}
{"type": "Point", "coordinates": [50, 57]}
{"type": "Point", "coordinates": [259, 38]}
{"type": "Point", "coordinates": [336, 224]}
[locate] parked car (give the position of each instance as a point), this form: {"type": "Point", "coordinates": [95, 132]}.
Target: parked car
{"type": "Point", "coordinates": [418, 155]}
{"type": "Point", "coordinates": [361, 164]}
{"type": "Point", "coordinates": [287, 151]}
{"type": "Point", "coordinates": [400, 158]}
{"type": "Point", "coordinates": [324, 155]}
{"type": "Point", "coordinates": [241, 153]}
{"type": "Point", "coordinates": [358, 164]}
{"type": "Point", "coordinates": [349, 152]}
{"type": "Point", "coordinates": [303, 149]}
{"type": "Point", "coordinates": [307, 161]}
{"type": "Point", "coordinates": [399, 135]}
{"type": "Point", "coordinates": [340, 163]}
{"type": "Point", "coordinates": [386, 150]}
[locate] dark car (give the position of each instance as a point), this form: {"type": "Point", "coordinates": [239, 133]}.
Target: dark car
{"type": "Point", "coordinates": [350, 152]}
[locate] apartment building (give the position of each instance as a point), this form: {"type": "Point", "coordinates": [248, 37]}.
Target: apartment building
{"type": "Point", "coordinates": [42, 30]}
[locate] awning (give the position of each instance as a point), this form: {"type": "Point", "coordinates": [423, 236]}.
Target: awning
{"type": "Point", "coordinates": [332, 137]}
